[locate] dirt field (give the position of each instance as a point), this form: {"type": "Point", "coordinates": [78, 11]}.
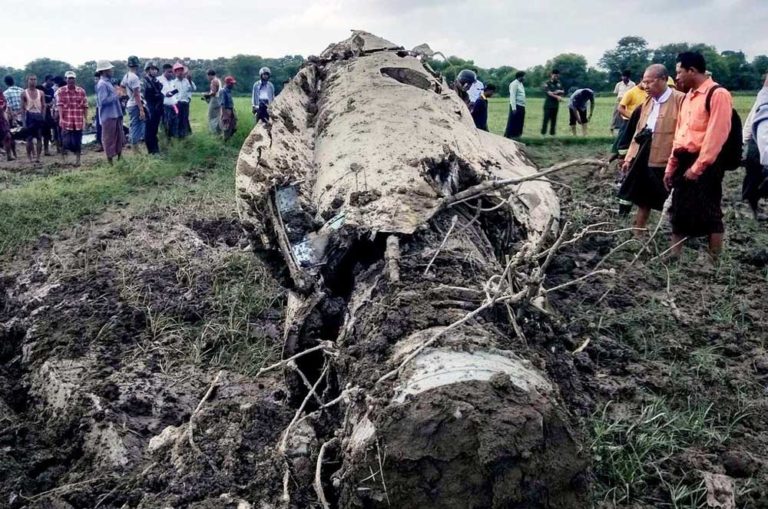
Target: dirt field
{"type": "Point", "coordinates": [113, 330]}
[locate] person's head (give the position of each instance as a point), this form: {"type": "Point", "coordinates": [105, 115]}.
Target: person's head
{"type": "Point", "coordinates": [489, 90]}
{"type": "Point", "coordinates": [133, 63]}
{"type": "Point", "coordinates": [151, 69]}
{"type": "Point", "coordinates": [168, 71]}
{"type": "Point", "coordinates": [211, 74]}
{"type": "Point", "coordinates": [105, 68]}
{"type": "Point", "coordinates": [229, 82]}
{"type": "Point", "coordinates": [9, 81]}
{"type": "Point", "coordinates": [71, 78]}
{"type": "Point", "coordinates": [655, 80]}
{"type": "Point", "coordinates": [520, 76]}
{"type": "Point", "coordinates": [178, 70]}
{"type": "Point", "coordinates": [31, 81]}
{"type": "Point", "coordinates": [625, 76]}
{"type": "Point", "coordinates": [554, 75]}
{"type": "Point", "coordinates": [265, 73]}
{"type": "Point", "coordinates": [690, 69]}
{"type": "Point", "coordinates": [59, 81]}
{"type": "Point", "coordinates": [466, 79]}
{"type": "Point", "coordinates": [48, 79]}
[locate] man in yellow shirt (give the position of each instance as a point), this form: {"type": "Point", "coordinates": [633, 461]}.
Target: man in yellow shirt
{"type": "Point", "coordinates": [634, 97]}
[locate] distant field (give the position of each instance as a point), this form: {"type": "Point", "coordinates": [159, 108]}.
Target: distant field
{"type": "Point", "coordinates": [599, 127]}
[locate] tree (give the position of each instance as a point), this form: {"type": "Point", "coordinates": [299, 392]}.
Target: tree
{"type": "Point", "coordinates": [666, 54]}
{"type": "Point", "coordinates": [760, 66]}
{"type": "Point", "coordinates": [572, 67]}
{"type": "Point", "coordinates": [631, 53]}
{"type": "Point", "coordinates": [43, 66]}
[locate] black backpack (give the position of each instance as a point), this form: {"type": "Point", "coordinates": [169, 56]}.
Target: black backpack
{"type": "Point", "coordinates": [730, 155]}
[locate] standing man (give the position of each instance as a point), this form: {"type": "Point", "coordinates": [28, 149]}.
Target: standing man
{"type": "Point", "coordinates": [554, 92]}
{"type": "Point", "coordinates": [214, 105]}
{"type": "Point", "coordinates": [620, 89]}
{"type": "Point", "coordinates": [96, 120]}
{"type": "Point", "coordinates": [577, 109]}
{"type": "Point", "coordinates": [72, 105]}
{"type": "Point", "coordinates": [651, 146]}
{"type": "Point", "coordinates": [153, 94]}
{"type": "Point", "coordinates": [262, 95]}
{"type": "Point", "coordinates": [9, 146]}
{"type": "Point", "coordinates": [135, 106]}
{"type": "Point", "coordinates": [170, 100]}
{"type": "Point", "coordinates": [184, 84]}
{"type": "Point", "coordinates": [693, 170]}
{"type": "Point", "coordinates": [516, 118]}
{"type": "Point", "coordinates": [12, 96]}
{"type": "Point", "coordinates": [480, 110]}
{"type": "Point", "coordinates": [50, 132]}
{"type": "Point", "coordinates": [474, 91]}
{"type": "Point", "coordinates": [755, 136]}
{"type": "Point", "coordinates": [228, 117]}
{"type": "Point", "coordinates": [110, 112]}
{"type": "Point", "coordinates": [33, 110]}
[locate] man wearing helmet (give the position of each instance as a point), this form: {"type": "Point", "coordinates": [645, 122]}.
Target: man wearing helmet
{"type": "Point", "coordinates": [464, 81]}
{"type": "Point", "coordinates": [263, 95]}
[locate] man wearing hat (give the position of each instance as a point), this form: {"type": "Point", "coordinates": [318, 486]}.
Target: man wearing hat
{"type": "Point", "coordinates": [184, 84]}
{"type": "Point", "coordinates": [110, 112]}
{"type": "Point", "coordinates": [228, 118]}
{"type": "Point", "coordinates": [263, 94]}
{"type": "Point", "coordinates": [135, 107]}
{"type": "Point", "coordinates": [72, 107]}
{"type": "Point", "coordinates": [153, 94]}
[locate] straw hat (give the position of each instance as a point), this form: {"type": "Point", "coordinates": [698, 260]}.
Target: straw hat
{"type": "Point", "coordinates": [104, 65]}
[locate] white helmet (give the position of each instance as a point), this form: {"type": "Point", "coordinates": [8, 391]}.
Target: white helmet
{"type": "Point", "coordinates": [265, 70]}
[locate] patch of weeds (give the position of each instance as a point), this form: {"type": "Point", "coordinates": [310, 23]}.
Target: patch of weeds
{"type": "Point", "coordinates": [631, 451]}
{"type": "Point", "coordinates": [233, 337]}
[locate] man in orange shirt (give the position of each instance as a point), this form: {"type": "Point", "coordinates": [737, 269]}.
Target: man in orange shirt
{"type": "Point", "coordinates": [693, 170]}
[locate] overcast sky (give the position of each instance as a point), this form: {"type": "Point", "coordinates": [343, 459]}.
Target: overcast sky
{"type": "Point", "coordinates": [492, 32]}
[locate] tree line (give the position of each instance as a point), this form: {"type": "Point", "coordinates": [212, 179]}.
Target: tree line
{"type": "Point", "coordinates": [729, 68]}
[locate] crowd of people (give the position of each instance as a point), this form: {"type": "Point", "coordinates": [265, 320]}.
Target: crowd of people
{"type": "Point", "coordinates": [57, 112]}
{"type": "Point", "coordinates": [674, 138]}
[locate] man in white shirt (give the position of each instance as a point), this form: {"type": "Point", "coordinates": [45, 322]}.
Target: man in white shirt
{"type": "Point", "coordinates": [135, 107]}
{"type": "Point", "coordinates": [620, 89]}
{"type": "Point", "coordinates": [755, 135]}
{"type": "Point", "coordinates": [184, 84]}
{"type": "Point", "coordinates": [474, 91]}
{"type": "Point", "coordinates": [170, 100]}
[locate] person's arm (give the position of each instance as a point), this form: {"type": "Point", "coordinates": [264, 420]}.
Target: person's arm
{"type": "Point", "coordinates": [718, 128]}
{"type": "Point", "coordinates": [761, 139]}
{"type": "Point", "coordinates": [513, 95]}
{"type": "Point", "coordinates": [673, 163]}
{"type": "Point", "coordinates": [214, 88]}
{"type": "Point", "coordinates": [84, 103]}
{"type": "Point", "coordinates": [255, 95]}
{"type": "Point", "coordinates": [591, 106]}
{"type": "Point", "coordinates": [137, 97]}
{"type": "Point", "coordinates": [271, 91]}
{"type": "Point", "coordinates": [192, 85]}
{"type": "Point", "coordinates": [616, 88]}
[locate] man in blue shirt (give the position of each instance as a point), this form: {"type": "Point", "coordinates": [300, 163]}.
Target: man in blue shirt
{"type": "Point", "coordinates": [110, 112]}
{"type": "Point", "coordinates": [577, 109]}
{"type": "Point", "coordinates": [516, 119]}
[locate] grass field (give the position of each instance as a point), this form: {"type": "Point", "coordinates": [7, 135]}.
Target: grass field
{"type": "Point", "coordinates": [599, 127]}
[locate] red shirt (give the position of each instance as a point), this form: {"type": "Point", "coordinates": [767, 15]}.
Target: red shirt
{"type": "Point", "coordinates": [73, 106]}
{"type": "Point", "coordinates": [701, 132]}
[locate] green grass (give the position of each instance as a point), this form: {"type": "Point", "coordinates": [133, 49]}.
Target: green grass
{"type": "Point", "coordinates": [498, 110]}
{"type": "Point", "coordinates": [44, 205]}
{"type": "Point", "coordinates": [631, 451]}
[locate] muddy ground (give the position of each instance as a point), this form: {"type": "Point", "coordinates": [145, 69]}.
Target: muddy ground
{"type": "Point", "coordinates": [21, 167]}
{"type": "Point", "coordinates": [113, 332]}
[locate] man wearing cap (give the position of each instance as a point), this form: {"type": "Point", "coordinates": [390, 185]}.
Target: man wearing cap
{"type": "Point", "coordinates": [72, 107]}
{"type": "Point", "coordinates": [228, 118]}
{"type": "Point", "coordinates": [110, 112]}
{"type": "Point", "coordinates": [263, 94]}
{"type": "Point", "coordinates": [184, 84]}
{"type": "Point", "coordinates": [153, 94]}
{"type": "Point", "coordinates": [135, 107]}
